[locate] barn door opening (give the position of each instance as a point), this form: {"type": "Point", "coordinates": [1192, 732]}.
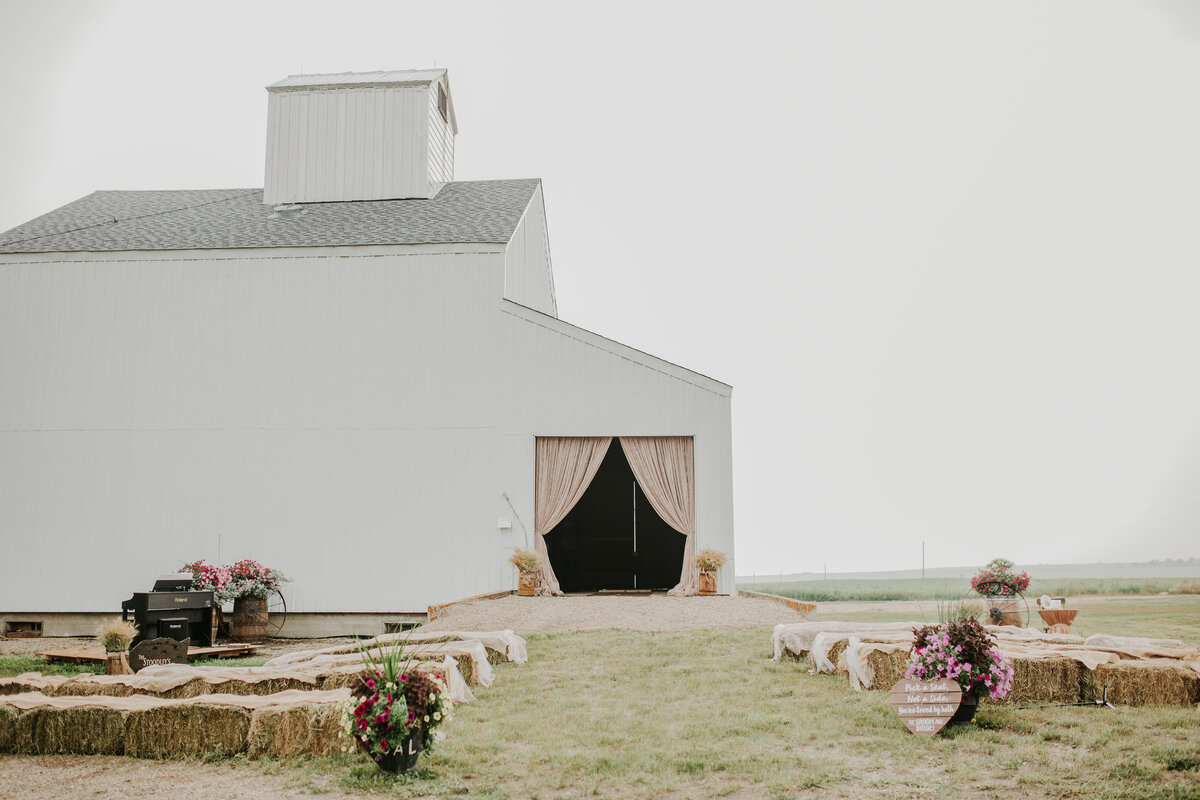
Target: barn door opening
{"type": "Point", "coordinates": [613, 538]}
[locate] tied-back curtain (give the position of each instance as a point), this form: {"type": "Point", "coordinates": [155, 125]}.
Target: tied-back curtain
{"type": "Point", "coordinates": [664, 467]}
{"type": "Point", "coordinates": [565, 468]}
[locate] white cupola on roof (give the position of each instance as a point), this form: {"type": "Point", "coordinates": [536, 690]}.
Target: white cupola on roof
{"type": "Point", "coordinates": [359, 136]}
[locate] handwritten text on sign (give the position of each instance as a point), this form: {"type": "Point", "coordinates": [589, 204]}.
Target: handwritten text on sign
{"type": "Point", "coordinates": [926, 706]}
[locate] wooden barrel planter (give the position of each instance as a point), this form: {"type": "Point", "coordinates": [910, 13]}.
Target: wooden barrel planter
{"type": "Point", "coordinates": [249, 624]}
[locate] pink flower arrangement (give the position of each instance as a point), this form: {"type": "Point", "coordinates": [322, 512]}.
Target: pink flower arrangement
{"type": "Point", "coordinates": [244, 579]}
{"type": "Point", "coordinates": [964, 652]}
{"type": "Point", "coordinates": [998, 580]}
{"type": "Point", "coordinates": [252, 579]}
{"type": "Point", "coordinates": [206, 577]}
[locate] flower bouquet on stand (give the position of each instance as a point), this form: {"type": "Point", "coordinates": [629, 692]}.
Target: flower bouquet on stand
{"type": "Point", "coordinates": [963, 651]}
{"type": "Point", "coordinates": [210, 578]}
{"type": "Point", "coordinates": [395, 708]}
{"type": "Point", "coordinates": [251, 585]}
{"type": "Point", "coordinates": [1000, 587]}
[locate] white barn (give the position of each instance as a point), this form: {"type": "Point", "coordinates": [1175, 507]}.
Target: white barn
{"type": "Point", "coordinates": [348, 375]}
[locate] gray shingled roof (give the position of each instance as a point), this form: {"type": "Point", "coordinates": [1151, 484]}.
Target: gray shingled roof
{"type": "Point", "coordinates": [205, 219]}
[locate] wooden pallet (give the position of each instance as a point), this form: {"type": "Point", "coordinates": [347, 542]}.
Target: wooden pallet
{"type": "Point", "coordinates": [97, 656]}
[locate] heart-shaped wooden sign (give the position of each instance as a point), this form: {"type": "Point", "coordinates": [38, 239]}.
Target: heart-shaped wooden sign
{"type": "Point", "coordinates": [926, 706]}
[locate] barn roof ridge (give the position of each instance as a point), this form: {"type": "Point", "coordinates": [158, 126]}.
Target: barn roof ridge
{"type": "Point", "coordinates": [217, 219]}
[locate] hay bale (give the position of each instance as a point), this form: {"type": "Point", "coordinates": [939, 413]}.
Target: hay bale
{"type": "Point", "coordinates": [193, 688]}
{"type": "Point", "coordinates": [185, 729]}
{"type": "Point", "coordinates": [83, 730]}
{"type": "Point", "coordinates": [467, 667]}
{"type": "Point", "coordinates": [260, 687]}
{"type": "Point", "coordinates": [336, 680]}
{"type": "Point", "coordinates": [8, 727]}
{"type": "Point", "coordinates": [888, 668]}
{"type": "Point", "coordinates": [1152, 682]}
{"type": "Point", "coordinates": [1043, 680]}
{"type": "Point", "coordinates": [17, 686]}
{"type": "Point", "coordinates": [89, 689]}
{"type": "Point", "coordinates": [307, 730]}
{"type": "Point", "coordinates": [86, 688]}
{"type": "Point", "coordinates": [835, 651]}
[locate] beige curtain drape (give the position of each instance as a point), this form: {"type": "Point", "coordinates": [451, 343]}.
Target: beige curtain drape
{"type": "Point", "coordinates": [565, 468]}
{"type": "Point", "coordinates": [665, 469]}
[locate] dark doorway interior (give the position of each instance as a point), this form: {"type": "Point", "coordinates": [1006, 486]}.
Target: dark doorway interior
{"type": "Point", "coordinates": [613, 538]}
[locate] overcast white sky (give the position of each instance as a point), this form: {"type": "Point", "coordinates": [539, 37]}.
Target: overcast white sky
{"type": "Point", "coordinates": [945, 252]}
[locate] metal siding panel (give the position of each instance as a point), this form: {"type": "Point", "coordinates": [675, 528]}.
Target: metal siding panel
{"type": "Point", "coordinates": [222, 399]}
{"type": "Point", "coordinates": [589, 389]}
{"type": "Point", "coordinates": [352, 144]}
{"type": "Point", "coordinates": [527, 268]}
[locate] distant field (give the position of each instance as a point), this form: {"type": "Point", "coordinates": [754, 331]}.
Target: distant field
{"type": "Point", "coordinates": [955, 588]}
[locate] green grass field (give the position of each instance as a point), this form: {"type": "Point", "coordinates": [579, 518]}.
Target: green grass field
{"type": "Point", "coordinates": [613, 714]}
{"type": "Point", "coordinates": [11, 666]}
{"type": "Point", "coordinates": [630, 714]}
{"type": "Point", "coordinates": [954, 588]}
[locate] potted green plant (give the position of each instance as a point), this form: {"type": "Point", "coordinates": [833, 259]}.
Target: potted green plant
{"type": "Point", "coordinates": [709, 562]}
{"type": "Point", "coordinates": [396, 707]}
{"type": "Point", "coordinates": [527, 563]}
{"type": "Point", "coordinates": [116, 636]}
{"type": "Point", "coordinates": [963, 651]}
{"type": "Point", "coordinates": [1000, 587]}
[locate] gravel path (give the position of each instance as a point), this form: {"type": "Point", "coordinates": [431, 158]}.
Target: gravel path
{"type": "Point", "coordinates": [655, 612]}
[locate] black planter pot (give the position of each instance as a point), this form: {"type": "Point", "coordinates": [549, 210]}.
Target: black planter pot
{"type": "Point", "coordinates": [965, 715]}
{"type": "Point", "coordinates": [404, 757]}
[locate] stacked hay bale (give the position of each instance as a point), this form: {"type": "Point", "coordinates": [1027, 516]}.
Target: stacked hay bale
{"type": "Point", "coordinates": [888, 668]}
{"type": "Point", "coordinates": [1046, 669]}
{"type": "Point", "coordinates": [281, 725]}
{"type": "Point", "coordinates": [1155, 681]}
{"type": "Point", "coordinates": [264, 686]}
{"type": "Point", "coordinates": [835, 653]}
{"type": "Point", "coordinates": [308, 730]}
{"type": "Point", "coordinates": [8, 727]}
{"type": "Point", "coordinates": [175, 711]}
{"type": "Point", "coordinates": [1043, 680]}
{"type": "Point", "coordinates": [186, 729]}
{"type": "Point", "coordinates": [85, 730]}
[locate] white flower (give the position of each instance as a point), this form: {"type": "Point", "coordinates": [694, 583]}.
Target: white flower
{"type": "Point", "coordinates": [432, 696]}
{"type": "Point", "coordinates": [436, 715]}
{"type": "Point", "coordinates": [427, 718]}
